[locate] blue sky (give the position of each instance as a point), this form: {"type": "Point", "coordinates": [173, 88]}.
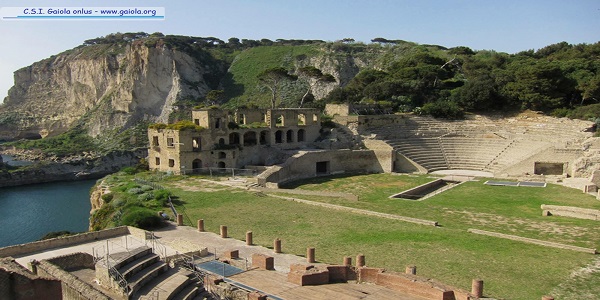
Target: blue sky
{"type": "Point", "coordinates": [507, 25]}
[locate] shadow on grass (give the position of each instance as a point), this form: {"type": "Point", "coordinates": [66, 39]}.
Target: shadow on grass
{"type": "Point", "coordinates": [317, 180]}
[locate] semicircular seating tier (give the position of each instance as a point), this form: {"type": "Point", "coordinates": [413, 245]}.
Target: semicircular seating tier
{"type": "Point", "coordinates": [484, 144]}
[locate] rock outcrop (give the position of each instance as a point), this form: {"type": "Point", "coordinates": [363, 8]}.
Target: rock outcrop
{"type": "Point", "coordinates": [72, 169]}
{"type": "Point", "coordinates": [105, 86]}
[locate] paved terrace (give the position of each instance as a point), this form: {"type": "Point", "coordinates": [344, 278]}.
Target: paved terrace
{"type": "Point", "coordinates": [181, 239]}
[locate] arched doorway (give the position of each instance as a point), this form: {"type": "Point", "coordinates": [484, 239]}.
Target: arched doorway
{"type": "Point", "coordinates": [196, 166]}
{"type": "Point", "coordinates": [301, 135]}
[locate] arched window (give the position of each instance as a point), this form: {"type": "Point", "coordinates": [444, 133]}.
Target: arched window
{"type": "Point", "coordinates": [301, 134]}
{"type": "Point", "coordinates": [250, 138]}
{"type": "Point", "coordinates": [279, 137]}
{"type": "Point", "coordinates": [221, 165]}
{"type": "Point", "coordinates": [234, 138]}
{"type": "Point", "coordinates": [264, 138]}
{"type": "Point", "coordinates": [301, 119]}
{"type": "Point", "coordinates": [222, 155]}
{"type": "Point", "coordinates": [197, 144]}
{"type": "Point", "coordinates": [280, 122]}
{"type": "Point", "coordinates": [289, 136]}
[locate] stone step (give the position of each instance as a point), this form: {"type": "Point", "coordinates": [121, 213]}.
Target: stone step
{"type": "Point", "coordinates": [145, 275]}
{"type": "Point", "coordinates": [173, 285]}
{"type": "Point", "coordinates": [118, 260]}
{"type": "Point", "coordinates": [135, 266]}
{"type": "Point", "coordinates": [188, 292]}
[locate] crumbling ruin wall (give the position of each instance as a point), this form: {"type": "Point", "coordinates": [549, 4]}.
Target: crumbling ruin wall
{"type": "Point", "coordinates": [18, 283]}
{"type": "Point", "coordinates": [304, 165]}
{"type": "Point", "coordinates": [72, 287]}
{"type": "Point", "coordinates": [570, 211]}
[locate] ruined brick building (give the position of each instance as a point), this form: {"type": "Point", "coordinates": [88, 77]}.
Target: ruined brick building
{"type": "Point", "coordinates": [231, 138]}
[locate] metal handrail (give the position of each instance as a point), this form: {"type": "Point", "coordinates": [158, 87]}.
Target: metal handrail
{"type": "Point", "coordinates": [158, 247]}
{"type": "Point", "coordinates": [120, 279]}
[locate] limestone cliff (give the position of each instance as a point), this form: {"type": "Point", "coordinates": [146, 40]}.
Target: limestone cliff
{"type": "Point", "coordinates": [108, 85]}
{"type": "Point", "coordinates": [111, 84]}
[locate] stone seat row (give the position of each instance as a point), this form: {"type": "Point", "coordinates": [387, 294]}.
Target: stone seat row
{"type": "Point", "coordinates": [146, 274]}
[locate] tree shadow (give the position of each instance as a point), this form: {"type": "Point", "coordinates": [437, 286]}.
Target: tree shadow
{"type": "Point", "coordinates": [231, 88]}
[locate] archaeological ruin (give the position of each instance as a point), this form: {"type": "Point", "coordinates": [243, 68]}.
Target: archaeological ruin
{"type": "Point", "coordinates": [282, 145]}
{"type": "Point", "coordinates": [287, 144]}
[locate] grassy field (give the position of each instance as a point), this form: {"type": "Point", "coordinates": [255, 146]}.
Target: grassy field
{"type": "Point", "coordinates": [511, 270]}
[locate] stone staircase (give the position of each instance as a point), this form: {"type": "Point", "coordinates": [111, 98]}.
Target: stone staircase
{"type": "Point", "coordinates": [426, 152]}
{"type": "Point", "coordinates": [478, 142]}
{"type": "Point", "coordinates": [141, 274]}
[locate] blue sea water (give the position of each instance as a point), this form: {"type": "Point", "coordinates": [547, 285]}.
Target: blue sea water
{"type": "Point", "coordinates": [29, 212]}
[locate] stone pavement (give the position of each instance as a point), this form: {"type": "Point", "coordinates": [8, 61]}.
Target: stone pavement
{"type": "Point", "coordinates": [177, 239]}
{"type": "Point", "coordinates": [173, 235]}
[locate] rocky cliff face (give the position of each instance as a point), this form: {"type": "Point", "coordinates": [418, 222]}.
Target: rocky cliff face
{"type": "Point", "coordinates": [109, 85]}
{"type": "Point", "coordinates": [115, 85]}
{"type": "Point", "coordinates": [72, 169]}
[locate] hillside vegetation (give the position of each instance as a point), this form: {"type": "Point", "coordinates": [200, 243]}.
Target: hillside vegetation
{"type": "Point", "coordinates": [560, 79]}
{"type": "Point", "coordinates": [402, 74]}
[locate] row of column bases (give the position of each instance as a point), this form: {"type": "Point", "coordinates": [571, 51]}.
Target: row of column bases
{"type": "Point", "coordinates": [476, 285]}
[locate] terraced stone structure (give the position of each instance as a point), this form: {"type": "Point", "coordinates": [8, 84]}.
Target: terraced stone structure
{"type": "Point", "coordinates": [528, 143]}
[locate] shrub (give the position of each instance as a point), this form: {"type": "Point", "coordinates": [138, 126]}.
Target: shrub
{"type": "Point", "coordinates": [129, 170]}
{"type": "Point", "coordinates": [561, 112]}
{"type": "Point", "coordinates": [107, 197]}
{"type": "Point", "coordinates": [185, 125]}
{"type": "Point", "coordinates": [141, 217]}
{"type": "Point", "coordinates": [135, 191]}
{"type": "Point", "coordinates": [56, 234]}
{"type": "Point", "coordinates": [162, 196]}
{"type": "Point", "coordinates": [146, 188]}
{"type": "Point", "coordinates": [146, 196]}
{"type": "Point", "coordinates": [232, 125]}
{"type": "Point", "coordinates": [327, 121]}
{"type": "Point", "coordinates": [118, 202]}
{"type": "Point", "coordinates": [443, 109]}
{"type": "Point", "coordinates": [587, 112]}
{"type": "Point", "coordinates": [158, 126]}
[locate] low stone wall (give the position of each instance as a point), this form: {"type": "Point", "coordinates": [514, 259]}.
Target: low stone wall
{"type": "Point", "coordinates": [361, 211]}
{"type": "Point", "coordinates": [533, 241]}
{"type": "Point", "coordinates": [304, 275]}
{"type": "Point", "coordinates": [571, 211]}
{"type": "Point", "coordinates": [21, 249]}
{"type": "Point", "coordinates": [346, 196]}
{"type": "Point", "coordinates": [368, 121]}
{"type": "Point", "coordinates": [414, 285]}
{"type": "Point", "coordinates": [72, 287]}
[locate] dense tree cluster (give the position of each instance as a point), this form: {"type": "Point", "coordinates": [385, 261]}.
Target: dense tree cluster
{"type": "Point", "coordinates": [448, 82]}
{"type": "Point", "coordinates": [209, 42]}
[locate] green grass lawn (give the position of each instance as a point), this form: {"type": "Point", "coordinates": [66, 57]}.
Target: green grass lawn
{"type": "Point", "coordinates": [511, 270]}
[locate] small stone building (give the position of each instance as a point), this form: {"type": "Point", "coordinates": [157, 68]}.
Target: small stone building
{"type": "Point", "coordinates": [232, 138]}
